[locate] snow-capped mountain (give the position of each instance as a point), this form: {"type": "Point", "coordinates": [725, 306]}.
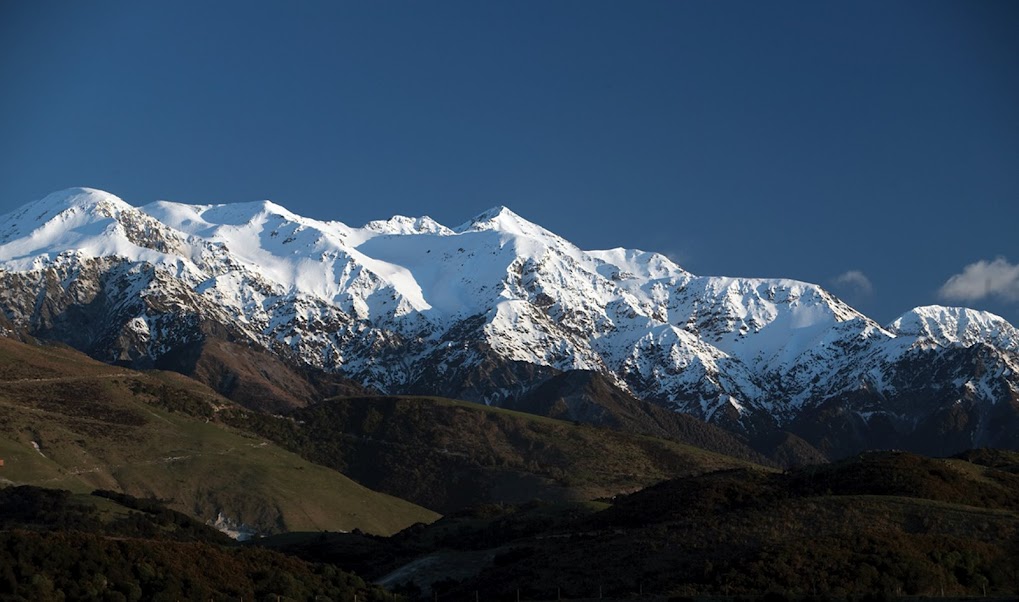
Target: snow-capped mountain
{"type": "Point", "coordinates": [484, 311]}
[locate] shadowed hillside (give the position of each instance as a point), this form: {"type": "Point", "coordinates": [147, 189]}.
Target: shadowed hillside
{"type": "Point", "coordinates": [446, 455]}
{"type": "Point", "coordinates": [882, 524]}
{"type": "Point", "coordinates": [55, 545]}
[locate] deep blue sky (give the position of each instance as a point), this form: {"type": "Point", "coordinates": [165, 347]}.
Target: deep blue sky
{"type": "Point", "coordinates": [796, 139]}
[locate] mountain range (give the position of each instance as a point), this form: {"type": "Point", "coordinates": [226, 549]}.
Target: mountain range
{"type": "Point", "coordinates": [276, 310]}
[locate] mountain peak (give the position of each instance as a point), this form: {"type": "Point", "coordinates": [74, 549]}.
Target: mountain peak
{"type": "Point", "coordinates": [955, 325]}
{"type": "Point", "coordinates": [399, 224]}
{"type": "Point", "coordinates": [496, 212]}
{"type": "Point", "coordinates": [84, 221]}
{"type": "Point", "coordinates": [493, 216]}
{"type": "Point", "coordinates": [79, 198]}
{"type": "Point", "coordinates": [61, 210]}
{"type": "Point", "coordinates": [242, 213]}
{"type": "Point", "coordinates": [502, 219]}
{"type": "Point", "coordinates": [484, 311]}
{"type": "Point", "coordinates": [938, 313]}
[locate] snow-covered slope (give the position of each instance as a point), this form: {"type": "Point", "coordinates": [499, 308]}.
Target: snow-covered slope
{"type": "Point", "coordinates": [483, 311]}
{"type": "Point", "coordinates": [946, 326]}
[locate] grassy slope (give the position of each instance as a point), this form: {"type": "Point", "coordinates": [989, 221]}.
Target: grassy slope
{"type": "Point", "coordinates": [99, 426]}
{"type": "Point", "coordinates": [447, 455]}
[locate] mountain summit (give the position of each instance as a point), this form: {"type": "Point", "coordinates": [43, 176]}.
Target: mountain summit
{"type": "Point", "coordinates": [489, 310]}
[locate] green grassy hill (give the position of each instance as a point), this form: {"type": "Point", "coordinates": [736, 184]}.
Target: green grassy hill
{"type": "Point", "coordinates": [69, 422]}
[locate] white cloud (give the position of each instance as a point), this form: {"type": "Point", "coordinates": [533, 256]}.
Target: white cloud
{"type": "Point", "coordinates": [983, 279]}
{"type": "Point", "coordinates": [854, 282]}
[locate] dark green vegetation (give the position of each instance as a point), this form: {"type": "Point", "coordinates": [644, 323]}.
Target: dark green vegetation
{"type": "Point", "coordinates": [105, 512]}
{"type": "Point", "coordinates": [55, 545]}
{"type": "Point", "coordinates": [155, 435]}
{"type": "Point", "coordinates": [446, 455]}
{"type": "Point", "coordinates": [887, 524]}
